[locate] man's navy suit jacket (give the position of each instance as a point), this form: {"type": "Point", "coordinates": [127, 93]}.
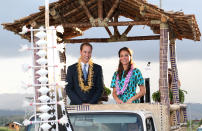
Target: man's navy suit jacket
{"type": "Point", "coordinates": [73, 90]}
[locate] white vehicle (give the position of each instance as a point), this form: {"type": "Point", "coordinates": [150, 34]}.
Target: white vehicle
{"type": "Point", "coordinates": [199, 128]}
{"type": "Point", "coordinates": [106, 118]}
{"type": "Point", "coordinates": [117, 117]}
{"type": "Point", "coordinates": [113, 121]}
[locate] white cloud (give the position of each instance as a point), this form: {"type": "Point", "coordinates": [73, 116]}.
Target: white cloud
{"type": "Point", "coordinates": [12, 74]}
{"type": "Point", "coordinates": [190, 75]}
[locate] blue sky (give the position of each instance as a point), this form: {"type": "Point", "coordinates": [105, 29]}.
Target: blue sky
{"type": "Point", "coordinates": [189, 53]}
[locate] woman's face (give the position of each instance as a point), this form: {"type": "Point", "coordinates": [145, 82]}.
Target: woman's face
{"type": "Point", "coordinates": [124, 57]}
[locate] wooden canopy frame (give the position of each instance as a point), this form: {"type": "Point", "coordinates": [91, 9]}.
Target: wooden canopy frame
{"type": "Point", "coordinates": [77, 16]}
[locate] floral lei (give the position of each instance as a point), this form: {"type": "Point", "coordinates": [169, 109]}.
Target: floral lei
{"type": "Point", "coordinates": [90, 76]}
{"type": "Point", "coordinates": [120, 91]}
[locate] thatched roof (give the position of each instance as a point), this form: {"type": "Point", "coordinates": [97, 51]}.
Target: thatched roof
{"type": "Point", "coordinates": [72, 11]}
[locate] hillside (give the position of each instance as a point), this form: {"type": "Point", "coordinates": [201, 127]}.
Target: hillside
{"type": "Point", "coordinates": [196, 111]}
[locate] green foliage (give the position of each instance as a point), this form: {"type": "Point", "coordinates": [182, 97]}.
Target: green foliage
{"type": "Point", "coordinates": [156, 95]}
{"type": "Point", "coordinates": [107, 90]}
{"type": "Point", "coordinates": [181, 95]}
{"type": "Point", "coordinates": [200, 122]}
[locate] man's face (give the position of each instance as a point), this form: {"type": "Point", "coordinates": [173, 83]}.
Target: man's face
{"type": "Point", "coordinates": [86, 53]}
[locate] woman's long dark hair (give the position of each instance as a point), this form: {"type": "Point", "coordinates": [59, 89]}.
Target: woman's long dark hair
{"type": "Point", "coordinates": [120, 67]}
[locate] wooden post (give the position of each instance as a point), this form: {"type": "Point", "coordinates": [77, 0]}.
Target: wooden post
{"type": "Point", "coordinates": [163, 80]}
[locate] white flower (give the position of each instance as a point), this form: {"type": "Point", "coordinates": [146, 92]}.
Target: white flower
{"type": "Point", "coordinates": [43, 79]}
{"type": "Point", "coordinates": [42, 72]}
{"type": "Point", "coordinates": [42, 61]}
{"type": "Point", "coordinates": [24, 30]}
{"type": "Point", "coordinates": [44, 108]}
{"type": "Point", "coordinates": [44, 98]}
{"type": "Point", "coordinates": [45, 116]}
{"type": "Point", "coordinates": [60, 29]}
{"type": "Point", "coordinates": [26, 122]}
{"type": "Point", "coordinates": [41, 34]}
{"type": "Point", "coordinates": [63, 120]}
{"type": "Point", "coordinates": [41, 53]}
{"type": "Point", "coordinates": [60, 47]}
{"type": "Point", "coordinates": [45, 126]}
{"type": "Point", "coordinates": [41, 42]}
{"type": "Point", "coordinates": [44, 90]}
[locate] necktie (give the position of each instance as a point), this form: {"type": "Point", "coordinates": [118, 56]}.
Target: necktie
{"type": "Point", "coordinates": [84, 72]}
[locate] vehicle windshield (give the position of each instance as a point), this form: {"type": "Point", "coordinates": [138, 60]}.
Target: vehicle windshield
{"type": "Point", "coordinates": [199, 129]}
{"type": "Point", "coordinates": [106, 122]}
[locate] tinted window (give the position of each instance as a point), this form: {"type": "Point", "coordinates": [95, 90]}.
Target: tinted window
{"type": "Point", "coordinates": [106, 122]}
{"type": "Point", "coordinates": [150, 124]}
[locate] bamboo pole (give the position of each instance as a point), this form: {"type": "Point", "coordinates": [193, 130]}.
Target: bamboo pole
{"type": "Point", "coordinates": [116, 19]}
{"type": "Point", "coordinates": [87, 25]}
{"type": "Point", "coordinates": [90, 17]}
{"type": "Point", "coordinates": [108, 31]}
{"type": "Point", "coordinates": [127, 30]}
{"type": "Point", "coordinates": [100, 9]}
{"type": "Point", "coordinates": [111, 11]}
{"type": "Point", "coordinates": [78, 8]}
{"type": "Point", "coordinates": [113, 39]}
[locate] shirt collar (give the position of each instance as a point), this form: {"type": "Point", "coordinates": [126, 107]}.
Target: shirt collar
{"type": "Point", "coordinates": [82, 64]}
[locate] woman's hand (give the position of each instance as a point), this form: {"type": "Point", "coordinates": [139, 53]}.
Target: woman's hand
{"type": "Point", "coordinates": [116, 98]}
{"type": "Point", "coordinates": [118, 101]}
{"type": "Point", "coordinates": [129, 101]}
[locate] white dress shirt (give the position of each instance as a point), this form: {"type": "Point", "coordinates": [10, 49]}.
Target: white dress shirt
{"type": "Point", "coordinates": [87, 65]}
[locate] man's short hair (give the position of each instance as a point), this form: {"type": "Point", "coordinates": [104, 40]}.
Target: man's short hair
{"type": "Point", "coordinates": [86, 44]}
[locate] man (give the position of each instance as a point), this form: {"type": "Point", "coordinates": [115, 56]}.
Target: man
{"type": "Point", "coordinates": [85, 79]}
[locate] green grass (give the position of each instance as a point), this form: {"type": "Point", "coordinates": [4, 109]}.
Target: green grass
{"type": "Point", "coordinates": [5, 129]}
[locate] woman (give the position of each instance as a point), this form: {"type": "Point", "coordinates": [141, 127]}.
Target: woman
{"type": "Point", "coordinates": [125, 80]}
